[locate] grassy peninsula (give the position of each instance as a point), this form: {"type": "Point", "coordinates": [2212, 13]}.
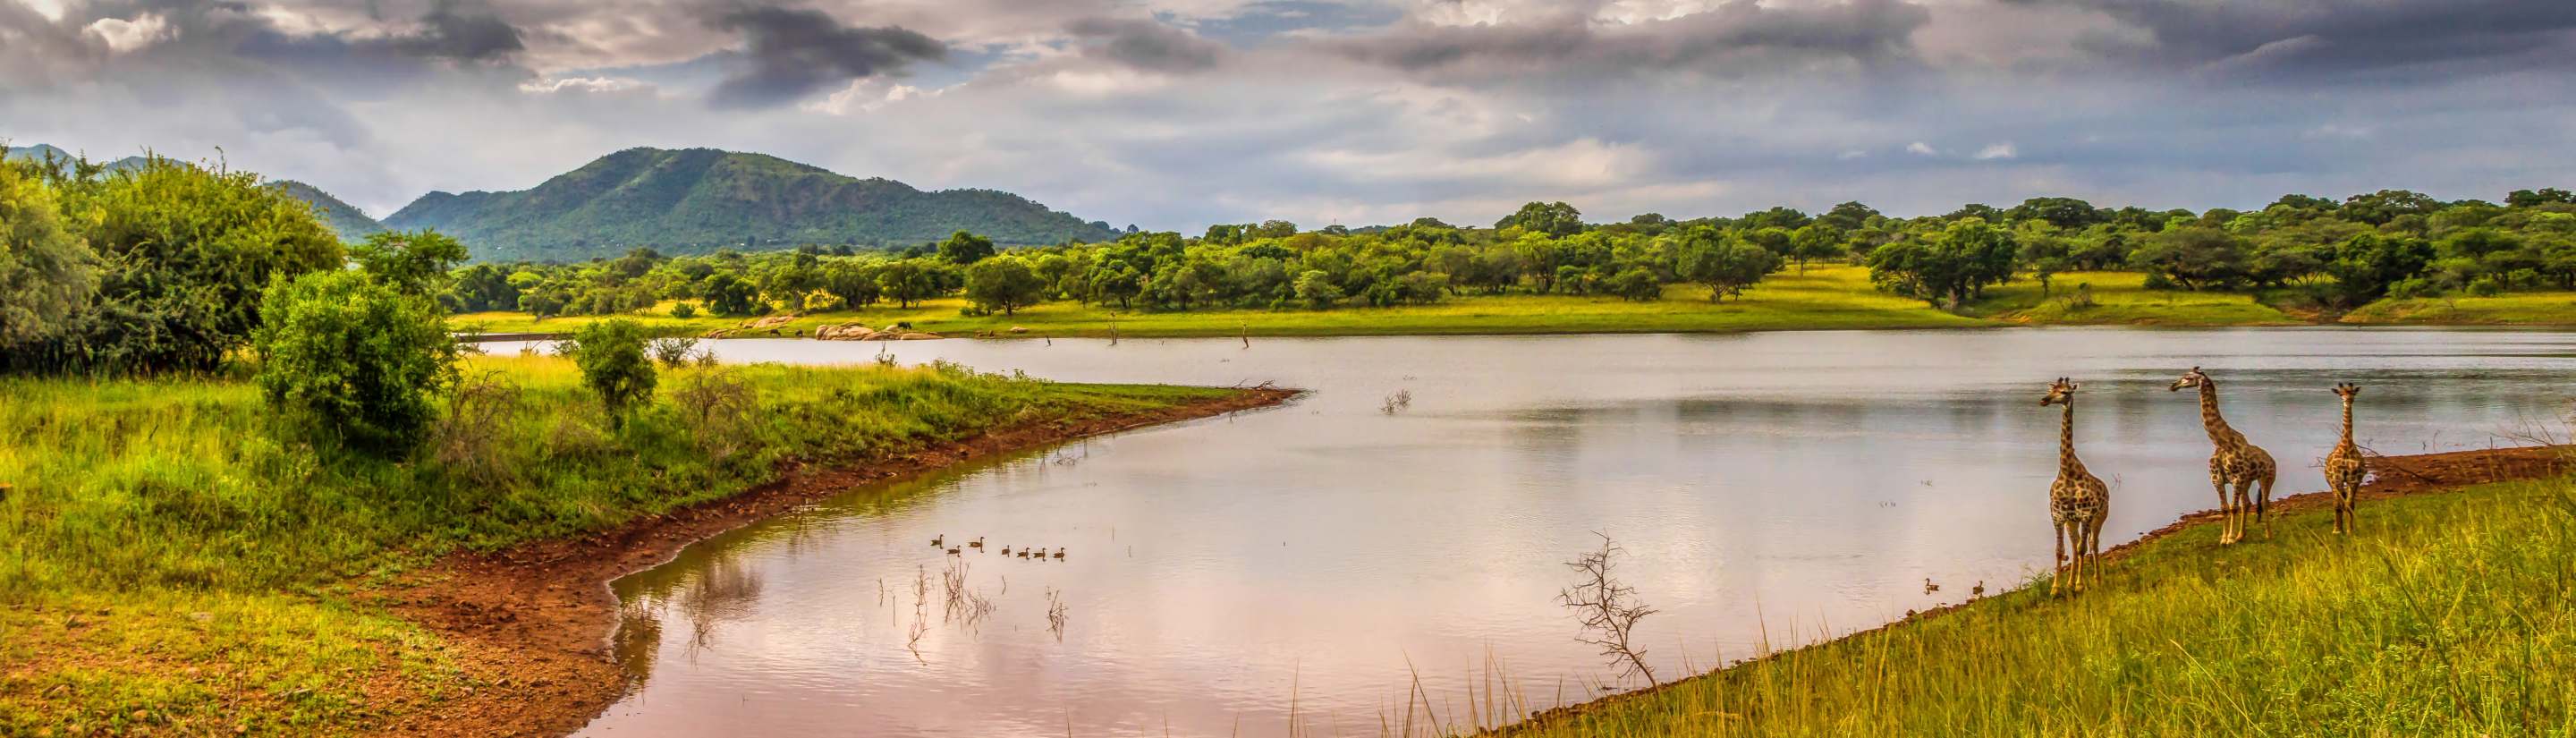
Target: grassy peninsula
{"type": "Point", "coordinates": [172, 563]}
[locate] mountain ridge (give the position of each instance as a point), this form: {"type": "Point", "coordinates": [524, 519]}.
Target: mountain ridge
{"type": "Point", "coordinates": [700, 199]}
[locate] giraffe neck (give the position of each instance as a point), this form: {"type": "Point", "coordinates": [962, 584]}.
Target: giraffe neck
{"type": "Point", "coordinates": [2209, 418]}
{"type": "Point", "coordinates": [2067, 464]}
{"type": "Point", "coordinates": [2347, 422]}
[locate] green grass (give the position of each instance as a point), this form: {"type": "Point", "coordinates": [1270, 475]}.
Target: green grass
{"type": "Point", "coordinates": [169, 557]}
{"type": "Point", "coordinates": [2451, 614]}
{"type": "Point", "coordinates": [2121, 298]}
{"type": "Point", "coordinates": [2518, 308]}
{"type": "Point", "coordinates": [1822, 298]}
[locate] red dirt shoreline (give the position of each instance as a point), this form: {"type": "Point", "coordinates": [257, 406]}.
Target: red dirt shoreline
{"type": "Point", "coordinates": [534, 622]}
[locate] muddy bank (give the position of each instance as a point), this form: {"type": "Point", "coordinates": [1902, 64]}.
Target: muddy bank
{"type": "Point", "coordinates": [535, 620]}
{"type": "Point", "coordinates": [2390, 476]}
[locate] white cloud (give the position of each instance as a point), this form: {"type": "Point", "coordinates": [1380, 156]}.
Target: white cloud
{"type": "Point", "coordinates": [1997, 151]}
{"type": "Point", "coordinates": [125, 36]}
{"type": "Point", "coordinates": [1850, 154]}
{"type": "Point", "coordinates": [555, 85]}
{"type": "Point", "coordinates": [1922, 148]}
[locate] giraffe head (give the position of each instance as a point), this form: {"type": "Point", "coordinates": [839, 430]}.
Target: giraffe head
{"type": "Point", "coordinates": [2060, 392]}
{"type": "Point", "coordinates": [2347, 390]}
{"type": "Point", "coordinates": [2191, 379]}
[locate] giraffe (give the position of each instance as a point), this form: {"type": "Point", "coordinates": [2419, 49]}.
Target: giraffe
{"type": "Point", "coordinates": [2077, 500]}
{"type": "Point", "coordinates": [2236, 463]}
{"type": "Point", "coordinates": [2345, 466]}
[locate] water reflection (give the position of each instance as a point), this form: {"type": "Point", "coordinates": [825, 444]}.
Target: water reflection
{"type": "Point", "coordinates": [1369, 568]}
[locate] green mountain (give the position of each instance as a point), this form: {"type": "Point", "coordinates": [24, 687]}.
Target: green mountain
{"type": "Point", "coordinates": [41, 152]}
{"type": "Point", "coordinates": [353, 224]}
{"type": "Point", "coordinates": [700, 200]}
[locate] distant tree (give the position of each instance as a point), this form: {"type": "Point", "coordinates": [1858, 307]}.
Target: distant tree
{"type": "Point", "coordinates": [1849, 216]}
{"type": "Point", "coordinates": [480, 288]}
{"type": "Point", "coordinates": [1724, 264]}
{"type": "Point", "coordinates": [2194, 257]}
{"type": "Point", "coordinates": [2384, 206]}
{"type": "Point", "coordinates": [2064, 212]}
{"type": "Point", "coordinates": [359, 361]}
{"type": "Point", "coordinates": [2543, 196]}
{"type": "Point", "coordinates": [1552, 218]}
{"type": "Point", "coordinates": [1816, 241]}
{"type": "Point", "coordinates": [46, 274]}
{"type": "Point", "coordinates": [1783, 218]}
{"type": "Point", "coordinates": [965, 248]}
{"type": "Point", "coordinates": [1636, 284]}
{"type": "Point", "coordinates": [908, 281]}
{"type": "Point", "coordinates": [611, 356]}
{"type": "Point", "coordinates": [1949, 266]}
{"type": "Point", "coordinates": [2045, 254]}
{"type": "Point", "coordinates": [2369, 264]}
{"type": "Point", "coordinates": [729, 296]}
{"type": "Point", "coordinates": [684, 311]}
{"type": "Point", "coordinates": [1273, 229]}
{"type": "Point", "coordinates": [1431, 222]}
{"type": "Point", "coordinates": [1003, 283]}
{"type": "Point", "coordinates": [1317, 289]}
{"type": "Point", "coordinates": [413, 262]}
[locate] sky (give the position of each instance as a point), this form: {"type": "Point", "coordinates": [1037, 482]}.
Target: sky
{"type": "Point", "coordinates": [1174, 114]}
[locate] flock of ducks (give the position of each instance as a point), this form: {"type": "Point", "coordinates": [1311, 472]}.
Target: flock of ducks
{"type": "Point", "coordinates": [1025, 552]}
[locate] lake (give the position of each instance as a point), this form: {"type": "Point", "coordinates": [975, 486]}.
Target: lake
{"type": "Point", "coordinates": [1333, 566]}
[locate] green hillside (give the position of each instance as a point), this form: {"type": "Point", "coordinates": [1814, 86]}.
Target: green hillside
{"type": "Point", "coordinates": [699, 200]}
{"type": "Point", "coordinates": [351, 223]}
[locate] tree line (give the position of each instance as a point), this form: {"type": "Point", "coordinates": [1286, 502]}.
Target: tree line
{"type": "Point", "coordinates": [2320, 253]}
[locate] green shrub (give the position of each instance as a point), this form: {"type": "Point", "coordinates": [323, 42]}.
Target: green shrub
{"type": "Point", "coordinates": [357, 362]}
{"type": "Point", "coordinates": [673, 352]}
{"type": "Point", "coordinates": [685, 310]}
{"type": "Point", "coordinates": [611, 356]}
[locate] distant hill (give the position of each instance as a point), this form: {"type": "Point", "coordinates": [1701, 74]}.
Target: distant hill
{"type": "Point", "coordinates": [353, 224]}
{"type": "Point", "coordinates": [700, 200]}
{"type": "Point", "coordinates": [40, 152]}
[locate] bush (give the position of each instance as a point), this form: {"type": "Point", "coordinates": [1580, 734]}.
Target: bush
{"type": "Point", "coordinates": [1636, 284]}
{"type": "Point", "coordinates": [611, 356]}
{"type": "Point", "coordinates": [673, 352]}
{"type": "Point", "coordinates": [2485, 287]}
{"type": "Point", "coordinates": [358, 362]}
{"type": "Point", "coordinates": [684, 311]}
{"type": "Point", "coordinates": [819, 301]}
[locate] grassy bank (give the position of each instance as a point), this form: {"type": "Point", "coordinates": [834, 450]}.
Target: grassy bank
{"type": "Point", "coordinates": [171, 561]}
{"type": "Point", "coordinates": [2520, 308]}
{"type": "Point", "coordinates": [2449, 615]}
{"type": "Point", "coordinates": [1822, 297]}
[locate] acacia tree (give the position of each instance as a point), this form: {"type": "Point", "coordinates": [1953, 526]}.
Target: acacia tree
{"type": "Point", "coordinates": [1949, 266]}
{"type": "Point", "coordinates": [1552, 218]}
{"type": "Point", "coordinates": [965, 248]}
{"type": "Point", "coordinates": [1003, 283]}
{"type": "Point", "coordinates": [1726, 265]}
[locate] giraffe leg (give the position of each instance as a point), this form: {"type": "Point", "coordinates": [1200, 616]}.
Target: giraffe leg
{"type": "Point", "coordinates": [2263, 503]}
{"type": "Point", "coordinates": [2226, 514]}
{"type": "Point", "coordinates": [2244, 507]}
{"type": "Point", "coordinates": [2093, 536]}
{"type": "Point", "coordinates": [2057, 567]}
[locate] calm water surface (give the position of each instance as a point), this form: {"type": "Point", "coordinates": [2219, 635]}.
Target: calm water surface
{"type": "Point", "coordinates": [1326, 553]}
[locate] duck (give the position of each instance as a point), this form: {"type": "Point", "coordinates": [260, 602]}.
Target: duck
{"type": "Point", "coordinates": [1006, 550]}
{"type": "Point", "coordinates": [1979, 590]}
{"type": "Point", "coordinates": [1929, 587]}
{"type": "Point", "coordinates": [1059, 553]}
{"type": "Point", "coordinates": [939, 541]}
{"type": "Point", "coordinates": [953, 550]}
{"type": "Point", "coordinates": [977, 543]}
{"type": "Point", "coordinates": [1024, 553]}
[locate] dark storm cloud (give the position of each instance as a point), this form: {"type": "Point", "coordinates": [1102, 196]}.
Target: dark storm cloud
{"type": "Point", "coordinates": [2339, 37]}
{"type": "Point", "coordinates": [794, 52]}
{"type": "Point", "coordinates": [469, 34]}
{"type": "Point", "coordinates": [1738, 38]}
{"type": "Point", "coordinates": [1145, 44]}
